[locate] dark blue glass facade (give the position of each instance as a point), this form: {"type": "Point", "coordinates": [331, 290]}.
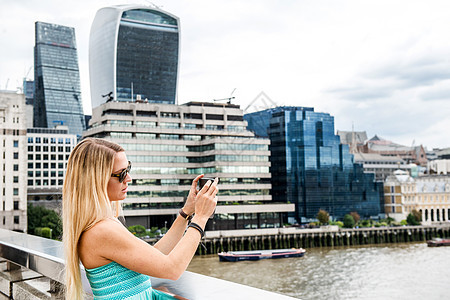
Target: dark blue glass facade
{"type": "Point", "coordinates": [147, 56]}
{"type": "Point", "coordinates": [311, 168]}
{"type": "Point", "coordinates": [57, 80]}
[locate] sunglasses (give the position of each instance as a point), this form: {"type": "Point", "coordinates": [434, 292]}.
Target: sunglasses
{"type": "Point", "coordinates": [123, 173]}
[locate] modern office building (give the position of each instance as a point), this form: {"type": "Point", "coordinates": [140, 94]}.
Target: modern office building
{"type": "Point", "coordinates": [133, 55]}
{"type": "Point", "coordinates": [429, 195]}
{"type": "Point", "coordinates": [13, 183]}
{"type": "Point", "coordinates": [169, 145]}
{"type": "Point", "coordinates": [310, 167]}
{"type": "Point", "coordinates": [383, 166]}
{"type": "Point", "coordinates": [48, 153]}
{"type": "Point", "coordinates": [57, 97]}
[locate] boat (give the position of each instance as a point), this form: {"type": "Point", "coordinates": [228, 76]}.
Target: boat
{"type": "Point", "coordinates": [437, 242]}
{"type": "Point", "coordinates": [260, 254]}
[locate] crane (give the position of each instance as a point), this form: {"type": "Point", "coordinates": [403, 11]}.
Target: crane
{"type": "Point", "coordinates": [227, 99]}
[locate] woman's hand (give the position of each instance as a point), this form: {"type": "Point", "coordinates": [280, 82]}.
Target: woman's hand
{"type": "Point", "coordinates": [206, 200]}
{"type": "Point", "coordinates": [189, 206]}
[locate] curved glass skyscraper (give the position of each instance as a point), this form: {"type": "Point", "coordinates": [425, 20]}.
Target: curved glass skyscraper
{"type": "Point", "coordinates": [133, 53]}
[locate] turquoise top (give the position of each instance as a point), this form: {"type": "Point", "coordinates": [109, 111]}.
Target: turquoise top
{"type": "Point", "coordinates": [114, 281]}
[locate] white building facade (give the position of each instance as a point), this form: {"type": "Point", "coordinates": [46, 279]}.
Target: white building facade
{"type": "Point", "coordinates": [13, 184]}
{"type": "Point", "coordinates": [48, 153]}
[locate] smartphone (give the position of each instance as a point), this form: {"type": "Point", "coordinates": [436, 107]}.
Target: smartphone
{"type": "Point", "coordinates": [202, 182]}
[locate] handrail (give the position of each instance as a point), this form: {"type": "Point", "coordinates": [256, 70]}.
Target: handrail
{"type": "Point", "coordinates": [46, 257]}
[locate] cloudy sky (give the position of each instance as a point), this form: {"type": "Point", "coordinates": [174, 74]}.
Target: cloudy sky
{"type": "Point", "coordinates": [380, 66]}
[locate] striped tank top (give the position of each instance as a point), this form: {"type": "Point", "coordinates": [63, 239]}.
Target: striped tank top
{"type": "Point", "coordinates": [114, 281]}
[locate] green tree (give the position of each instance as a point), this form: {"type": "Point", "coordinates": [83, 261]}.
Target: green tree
{"type": "Point", "coordinates": [40, 217]}
{"type": "Point", "coordinates": [417, 214]}
{"type": "Point", "coordinates": [349, 222]}
{"type": "Point", "coordinates": [323, 216]}
{"type": "Point", "coordinates": [411, 219]}
{"type": "Point", "coordinates": [355, 216]}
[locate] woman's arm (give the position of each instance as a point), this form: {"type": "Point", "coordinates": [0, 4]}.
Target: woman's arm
{"type": "Point", "coordinates": [113, 242]}
{"type": "Point", "coordinates": [176, 231]}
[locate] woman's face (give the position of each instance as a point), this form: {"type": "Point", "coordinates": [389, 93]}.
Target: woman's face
{"type": "Point", "coordinates": [118, 190]}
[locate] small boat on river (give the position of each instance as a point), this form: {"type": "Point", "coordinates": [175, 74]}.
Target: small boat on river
{"type": "Point", "coordinates": [437, 242]}
{"type": "Point", "coordinates": [260, 254]}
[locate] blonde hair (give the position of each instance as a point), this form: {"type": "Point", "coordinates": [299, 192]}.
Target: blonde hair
{"type": "Point", "coordinates": [85, 201]}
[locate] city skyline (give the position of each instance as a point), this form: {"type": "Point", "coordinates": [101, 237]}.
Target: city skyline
{"type": "Point", "coordinates": [383, 71]}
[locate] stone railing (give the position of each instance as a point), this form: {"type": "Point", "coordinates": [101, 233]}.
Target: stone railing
{"type": "Point", "coordinates": [32, 268]}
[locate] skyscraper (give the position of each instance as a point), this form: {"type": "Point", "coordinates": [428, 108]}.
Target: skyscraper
{"type": "Point", "coordinates": [311, 168]}
{"type": "Point", "coordinates": [133, 54]}
{"type": "Point", "coordinates": [57, 80]}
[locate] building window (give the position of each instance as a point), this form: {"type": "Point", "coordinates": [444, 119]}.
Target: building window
{"type": "Point", "coordinates": [16, 144]}
{"type": "Point", "coordinates": [16, 205]}
{"type": "Point", "coordinates": [15, 191]}
{"type": "Point", "coordinates": [16, 179]}
{"type": "Point", "coordinates": [16, 155]}
{"type": "Point", "coordinates": [16, 220]}
{"type": "Point", "coordinates": [16, 167]}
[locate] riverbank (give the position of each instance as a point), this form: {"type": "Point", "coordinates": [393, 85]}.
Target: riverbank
{"type": "Point", "coordinates": [327, 236]}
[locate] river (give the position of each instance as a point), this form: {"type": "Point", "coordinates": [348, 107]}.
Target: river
{"type": "Point", "coordinates": [389, 271]}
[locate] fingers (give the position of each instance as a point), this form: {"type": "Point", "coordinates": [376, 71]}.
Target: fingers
{"type": "Point", "coordinates": [196, 179]}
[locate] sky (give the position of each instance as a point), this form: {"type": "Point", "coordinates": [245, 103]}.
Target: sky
{"type": "Point", "coordinates": [377, 66]}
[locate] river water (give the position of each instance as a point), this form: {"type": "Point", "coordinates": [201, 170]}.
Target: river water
{"type": "Point", "coordinates": [390, 271]}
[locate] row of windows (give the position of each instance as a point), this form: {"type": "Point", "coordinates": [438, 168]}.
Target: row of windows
{"type": "Point", "coordinates": [44, 182]}
{"type": "Point", "coordinates": [68, 149]}
{"type": "Point", "coordinates": [150, 124]}
{"type": "Point", "coordinates": [217, 169]}
{"type": "Point", "coordinates": [175, 181]}
{"type": "Point", "coordinates": [185, 148]}
{"type": "Point", "coordinates": [192, 116]}
{"type": "Point", "coordinates": [158, 194]}
{"type": "Point", "coordinates": [45, 174]}
{"type": "Point", "coordinates": [203, 159]}
{"type": "Point", "coordinates": [46, 140]}
{"type": "Point", "coordinates": [45, 166]}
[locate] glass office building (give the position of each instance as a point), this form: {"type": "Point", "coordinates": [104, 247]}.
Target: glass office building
{"type": "Point", "coordinates": [311, 168]}
{"type": "Point", "coordinates": [57, 97]}
{"type": "Point", "coordinates": [133, 55]}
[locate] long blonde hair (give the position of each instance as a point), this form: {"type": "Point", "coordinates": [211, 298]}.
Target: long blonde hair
{"type": "Point", "coordinates": [85, 201]}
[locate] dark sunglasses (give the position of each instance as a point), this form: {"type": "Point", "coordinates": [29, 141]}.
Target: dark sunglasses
{"type": "Point", "coordinates": [123, 173]}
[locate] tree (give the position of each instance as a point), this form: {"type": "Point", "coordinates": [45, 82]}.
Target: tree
{"type": "Point", "coordinates": [417, 214]}
{"type": "Point", "coordinates": [355, 216]}
{"type": "Point", "coordinates": [349, 222]}
{"type": "Point", "coordinates": [411, 219]}
{"type": "Point", "coordinates": [40, 217]}
{"type": "Point", "coordinates": [323, 216]}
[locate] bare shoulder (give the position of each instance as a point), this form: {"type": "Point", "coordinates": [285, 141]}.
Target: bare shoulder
{"type": "Point", "coordinates": [94, 243]}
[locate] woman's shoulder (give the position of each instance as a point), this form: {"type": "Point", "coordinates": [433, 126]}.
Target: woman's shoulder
{"type": "Point", "coordinates": [104, 228]}
{"type": "Point", "coordinates": [94, 241]}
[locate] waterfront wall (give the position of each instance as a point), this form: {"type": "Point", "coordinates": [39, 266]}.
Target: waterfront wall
{"type": "Point", "coordinates": [328, 236]}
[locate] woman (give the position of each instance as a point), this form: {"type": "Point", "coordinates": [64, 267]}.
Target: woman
{"type": "Point", "coordinates": [116, 262]}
